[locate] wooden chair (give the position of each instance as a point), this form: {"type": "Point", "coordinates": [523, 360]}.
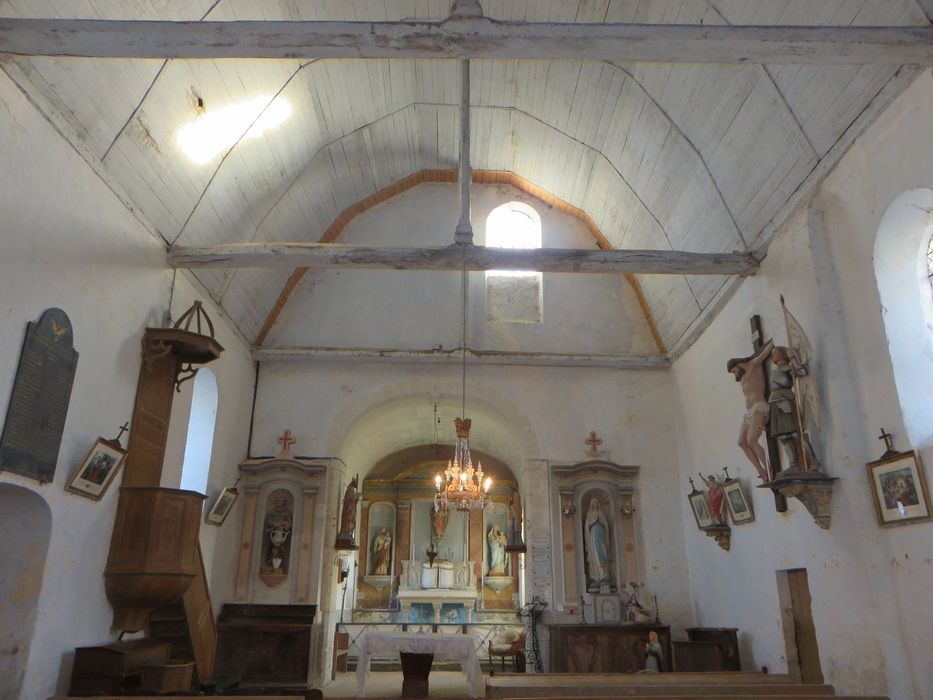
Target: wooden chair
{"type": "Point", "coordinates": [503, 648]}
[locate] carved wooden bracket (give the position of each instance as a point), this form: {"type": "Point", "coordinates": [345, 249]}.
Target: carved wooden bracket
{"type": "Point", "coordinates": [814, 489]}
{"type": "Point", "coordinates": [721, 533]}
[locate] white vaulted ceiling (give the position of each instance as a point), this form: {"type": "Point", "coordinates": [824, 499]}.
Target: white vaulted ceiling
{"type": "Point", "coordinates": [695, 157]}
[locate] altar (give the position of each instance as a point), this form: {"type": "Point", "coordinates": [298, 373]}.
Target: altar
{"type": "Point", "coordinates": [443, 647]}
{"type": "Point", "coordinates": [436, 584]}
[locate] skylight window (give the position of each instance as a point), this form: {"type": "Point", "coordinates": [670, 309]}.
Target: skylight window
{"type": "Point", "coordinates": [215, 131]}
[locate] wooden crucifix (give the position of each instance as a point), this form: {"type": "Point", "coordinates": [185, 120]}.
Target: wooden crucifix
{"type": "Point", "coordinates": [774, 453]}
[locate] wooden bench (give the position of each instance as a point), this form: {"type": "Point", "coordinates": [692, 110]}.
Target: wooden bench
{"type": "Point", "coordinates": [549, 685]}
{"type": "Point", "coordinates": [625, 689]}
{"type": "Point", "coordinates": [712, 693]}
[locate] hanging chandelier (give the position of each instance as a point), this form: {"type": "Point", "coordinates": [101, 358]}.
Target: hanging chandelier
{"type": "Point", "coordinates": [462, 487]}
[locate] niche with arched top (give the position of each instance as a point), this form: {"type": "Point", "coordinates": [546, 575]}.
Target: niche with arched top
{"type": "Point", "coordinates": [25, 527]}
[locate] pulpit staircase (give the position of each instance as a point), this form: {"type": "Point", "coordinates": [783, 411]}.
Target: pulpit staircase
{"type": "Point", "coordinates": [726, 685]}
{"type": "Point", "coordinates": [188, 625]}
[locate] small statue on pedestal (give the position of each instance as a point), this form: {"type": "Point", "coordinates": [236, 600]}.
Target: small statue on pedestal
{"type": "Point", "coordinates": [346, 535]}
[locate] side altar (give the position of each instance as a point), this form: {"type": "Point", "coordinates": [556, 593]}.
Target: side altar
{"type": "Point", "coordinates": [587, 648]}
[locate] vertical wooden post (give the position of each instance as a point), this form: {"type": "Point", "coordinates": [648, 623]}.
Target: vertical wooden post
{"type": "Point", "coordinates": [774, 453]}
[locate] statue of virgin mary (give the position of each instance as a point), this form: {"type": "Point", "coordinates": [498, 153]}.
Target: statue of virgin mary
{"type": "Point", "coordinates": [596, 536]}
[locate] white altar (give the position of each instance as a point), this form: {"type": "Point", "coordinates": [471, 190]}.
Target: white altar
{"type": "Point", "coordinates": [445, 647]}
{"type": "Point", "coordinates": [444, 582]}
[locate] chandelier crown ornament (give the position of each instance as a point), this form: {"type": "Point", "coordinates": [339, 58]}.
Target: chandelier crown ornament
{"type": "Point", "coordinates": [462, 486]}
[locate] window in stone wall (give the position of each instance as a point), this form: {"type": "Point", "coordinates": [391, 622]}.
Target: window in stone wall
{"type": "Point", "coordinates": [199, 445]}
{"type": "Point", "coordinates": [930, 260]}
{"type": "Point", "coordinates": [513, 296]}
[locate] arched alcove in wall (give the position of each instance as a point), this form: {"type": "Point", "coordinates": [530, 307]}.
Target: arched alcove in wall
{"type": "Point", "coordinates": [906, 290]}
{"type": "Point", "coordinates": [25, 527]}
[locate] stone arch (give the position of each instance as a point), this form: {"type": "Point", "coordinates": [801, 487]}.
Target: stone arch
{"type": "Point", "coordinates": [401, 415]}
{"type": "Point", "coordinates": [904, 286]}
{"type": "Point", "coordinates": [25, 528]}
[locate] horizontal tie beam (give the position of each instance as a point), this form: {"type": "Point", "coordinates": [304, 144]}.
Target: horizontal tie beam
{"type": "Point", "coordinates": [456, 257]}
{"type": "Point", "coordinates": [466, 38]}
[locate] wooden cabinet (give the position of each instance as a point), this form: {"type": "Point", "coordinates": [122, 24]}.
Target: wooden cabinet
{"type": "Point", "coordinates": [604, 648]}
{"type": "Point", "coordinates": [265, 643]}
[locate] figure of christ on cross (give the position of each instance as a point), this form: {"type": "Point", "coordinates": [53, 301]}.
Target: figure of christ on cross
{"type": "Point", "coordinates": [748, 372]}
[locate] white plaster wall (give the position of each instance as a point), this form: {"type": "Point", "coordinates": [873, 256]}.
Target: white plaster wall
{"type": "Point", "coordinates": [870, 586]}
{"type": "Point", "coordinates": [66, 241]}
{"type": "Point", "coordinates": [360, 308]}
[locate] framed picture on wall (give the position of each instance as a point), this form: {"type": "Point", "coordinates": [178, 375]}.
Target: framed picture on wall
{"type": "Point", "coordinates": [899, 489]}
{"type": "Point", "coordinates": [740, 510]}
{"type": "Point", "coordinates": [222, 507]}
{"type": "Point", "coordinates": [700, 509]}
{"type": "Point", "coordinates": [98, 470]}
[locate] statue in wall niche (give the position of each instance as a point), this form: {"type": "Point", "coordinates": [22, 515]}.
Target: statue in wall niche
{"type": "Point", "coordinates": [346, 535]}
{"type": "Point", "coordinates": [596, 540]}
{"type": "Point", "coordinates": [748, 371]}
{"type": "Point", "coordinates": [276, 543]}
{"type": "Point", "coordinates": [382, 552]}
{"type": "Point", "coordinates": [498, 563]}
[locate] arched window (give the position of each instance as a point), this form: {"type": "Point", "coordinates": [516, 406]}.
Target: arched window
{"type": "Point", "coordinates": [200, 441]}
{"type": "Point", "coordinates": [904, 272]}
{"type": "Point", "coordinates": [512, 295]}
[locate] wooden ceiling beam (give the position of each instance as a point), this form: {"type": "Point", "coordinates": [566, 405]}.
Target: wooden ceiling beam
{"type": "Point", "coordinates": [455, 257]}
{"type": "Point", "coordinates": [452, 355]}
{"type": "Point", "coordinates": [465, 38]}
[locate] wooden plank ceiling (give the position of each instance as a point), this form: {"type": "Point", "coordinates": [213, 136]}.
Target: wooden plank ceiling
{"type": "Point", "coordinates": [692, 157]}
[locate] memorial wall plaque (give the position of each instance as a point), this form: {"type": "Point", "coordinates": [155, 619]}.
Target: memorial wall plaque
{"type": "Point", "coordinates": [35, 418]}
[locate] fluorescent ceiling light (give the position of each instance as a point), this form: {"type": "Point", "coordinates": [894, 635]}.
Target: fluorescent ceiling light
{"type": "Point", "coordinates": [217, 130]}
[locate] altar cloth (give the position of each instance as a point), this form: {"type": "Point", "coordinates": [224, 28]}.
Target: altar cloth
{"type": "Point", "coordinates": [445, 647]}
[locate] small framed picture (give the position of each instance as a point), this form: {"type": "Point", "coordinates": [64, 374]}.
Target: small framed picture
{"type": "Point", "coordinates": [222, 506]}
{"type": "Point", "coordinates": [98, 470]}
{"type": "Point", "coordinates": [899, 489]}
{"type": "Point", "coordinates": [700, 509]}
{"type": "Point", "coordinates": [740, 510]}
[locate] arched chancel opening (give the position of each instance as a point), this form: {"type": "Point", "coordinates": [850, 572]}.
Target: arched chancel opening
{"type": "Point", "coordinates": [902, 272]}
{"type": "Point", "coordinates": [25, 527]}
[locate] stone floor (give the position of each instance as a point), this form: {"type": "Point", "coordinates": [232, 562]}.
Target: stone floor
{"type": "Point", "coordinates": [388, 684]}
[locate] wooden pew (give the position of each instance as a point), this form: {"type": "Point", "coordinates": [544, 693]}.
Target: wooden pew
{"type": "Point", "coordinates": [546, 685]}
{"type": "Point", "coordinates": [712, 693]}
{"type": "Point", "coordinates": [625, 689]}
